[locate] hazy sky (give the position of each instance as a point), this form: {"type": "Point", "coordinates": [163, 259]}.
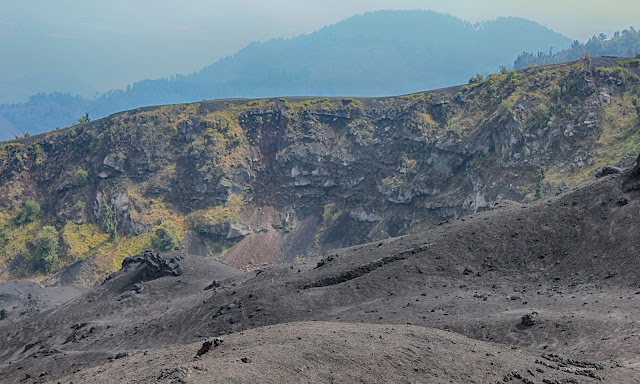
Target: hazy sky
{"type": "Point", "coordinates": [89, 46]}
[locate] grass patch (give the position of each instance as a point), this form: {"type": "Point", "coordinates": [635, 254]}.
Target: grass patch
{"type": "Point", "coordinates": [323, 104]}
{"type": "Point", "coordinates": [330, 214]}
{"type": "Point", "coordinates": [19, 239]}
{"type": "Point", "coordinates": [222, 214]}
{"type": "Point", "coordinates": [150, 212]}
{"type": "Point", "coordinates": [619, 135]}
{"type": "Point", "coordinates": [109, 258]}
{"type": "Point", "coordinates": [412, 96]}
{"type": "Point", "coordinates": [222, 146]}
{"type": "Point", "coordinates": [629, 63]}
{"type": "Point", "coordinates": [80, 240]}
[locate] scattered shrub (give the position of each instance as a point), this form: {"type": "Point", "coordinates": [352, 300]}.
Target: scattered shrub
{"type": "Point", "coordinates": [540, 116]}
{"type": "Point", "coordinates": [476, 79]}
{"type": "Point", "coordinates": [78, 211]}
{"type": "Point", "coordinates": [78, 208]}
{"type": "Point", "coordinates": [28, 213]}
{"type": "Point", "coordinates": [165, 237]}
{"type": "Point", "coordinates": [5, 236]}
{"type": "Point", "coordinates": [504, 107]}
{"type": "Point", "coordinates": [110, 221]}
{"type": "Point", "coordinates": [84, 119]}
{"type": "Point", "coordinates": [561, 186]}
{"type": "Point", "coordinates": [71, 132]}
{"type": "Point", "coordinates": [46, 244]}
{"type": "Point", "coordinates": [82, 177]}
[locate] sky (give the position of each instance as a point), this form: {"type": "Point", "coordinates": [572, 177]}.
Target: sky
{"type": "Point", "coordinates": [87, 47]}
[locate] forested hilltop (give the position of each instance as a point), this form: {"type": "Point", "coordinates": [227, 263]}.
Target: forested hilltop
{"type": "Point", "coordinates": [623, 44]}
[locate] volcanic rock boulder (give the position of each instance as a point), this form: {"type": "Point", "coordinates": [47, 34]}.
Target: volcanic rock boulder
{"type": "Point", "coordinates": [529, 320]}
{"type": "Point", "coordinates": [237, 230]}
{"type": "Point", "coordinates": [206, 346]}
{"type": "Point", "coordinates": [154, 265]}
{"type": "Point", "coordinates": [608, 170]}
{"type": "Point", "coordinates": [632, 181]}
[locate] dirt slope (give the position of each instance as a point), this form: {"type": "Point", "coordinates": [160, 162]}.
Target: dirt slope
{"type": "Point", "coordinates": [321, 352]}
{"type": "Point", "coordinates": [572, 259]}
{"type": "Point", "coordinates": [20, 299]}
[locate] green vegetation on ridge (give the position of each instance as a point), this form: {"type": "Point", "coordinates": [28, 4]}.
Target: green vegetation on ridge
{"type": "Point", "coordinates": [624, 44]}
{"type": "Point", "coordinates": [145, 178]}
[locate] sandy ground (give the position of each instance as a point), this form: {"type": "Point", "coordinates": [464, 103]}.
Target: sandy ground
{"type": "Point", "coordinates": [321, 352]}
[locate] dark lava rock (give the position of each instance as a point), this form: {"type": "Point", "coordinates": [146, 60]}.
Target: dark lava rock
{"type": "Point", "coordinates": [215, 284]}
{"type": "Point", "coordinates": [512, 375]}
{"type": "Point", "coordinates": [608, 170]}
{"type": "Point", "coordinates": [3, 314]}
{"type": "Point", "coordinates": [529, 320]}
{"type": "Point", "coordinates": [206, 347]}
{"type": "Point", "coordinates": [155, 265]}
{"type": "Point", "coordinates": [137, 288]}
{"type": "Point", "coordinates": [78, 326]}
{"type": "Point", "coordinates": [632, 181]}
{"type": "Point", "coordinates": [121, 355]}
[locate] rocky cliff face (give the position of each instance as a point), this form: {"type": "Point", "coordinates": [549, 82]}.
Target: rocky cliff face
{"type": "Point", "coordinates": [262, 181]}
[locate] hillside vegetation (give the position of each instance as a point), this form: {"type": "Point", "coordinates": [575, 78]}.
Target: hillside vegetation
{"type": "Point", "coordinates": [268, 180]}
{"type": "Point", "coordinates": [623, 44]}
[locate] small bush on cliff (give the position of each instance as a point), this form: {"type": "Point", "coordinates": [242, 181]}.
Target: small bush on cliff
{"type": "Point", "coordinates": [78, 211]}
{"type": "Point", "coordinates": [504, 107]}
{"type": "Point", "coordinates": [84, 119]}
{"type": "Point", "coordinates": [476, 79]}
{"type": "Point", "coordinates": [165, 237]}
{"type": "Point", "coordinates": [46, 244]}
{"type": "Point", "coordinates": [110, 221]}
{"type": "Point", "coordinates": [82, 177]}
{"type": "Point", "coordinates": [28, 213]}
{"type": "Point", "coordinates": [5, 236]}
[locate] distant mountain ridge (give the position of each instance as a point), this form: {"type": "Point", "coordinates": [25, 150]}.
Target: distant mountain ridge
{"type": "Point", "coordinates": [378, 53]}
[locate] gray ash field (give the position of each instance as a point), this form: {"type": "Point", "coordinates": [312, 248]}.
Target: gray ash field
{"type": "Point", "coordinates": [541, 293]}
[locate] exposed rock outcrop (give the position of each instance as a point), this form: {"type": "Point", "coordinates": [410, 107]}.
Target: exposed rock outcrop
{"type": "Point", "coordinates": [632, 181]}
{"type": "Point", "coordinates": [336, 171]}
{"type": "Point", "coordinates": [237, 230]}
{"type": "Point", "coordinates": [154, 265]}
{"type": "Point", "coordinates": [608, 170]}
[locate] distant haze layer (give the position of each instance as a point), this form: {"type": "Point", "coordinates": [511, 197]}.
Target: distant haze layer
{"type": "Point", "coordinates": [91, 47]}
{"type": "Point", "coordinates": [375, 54]}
